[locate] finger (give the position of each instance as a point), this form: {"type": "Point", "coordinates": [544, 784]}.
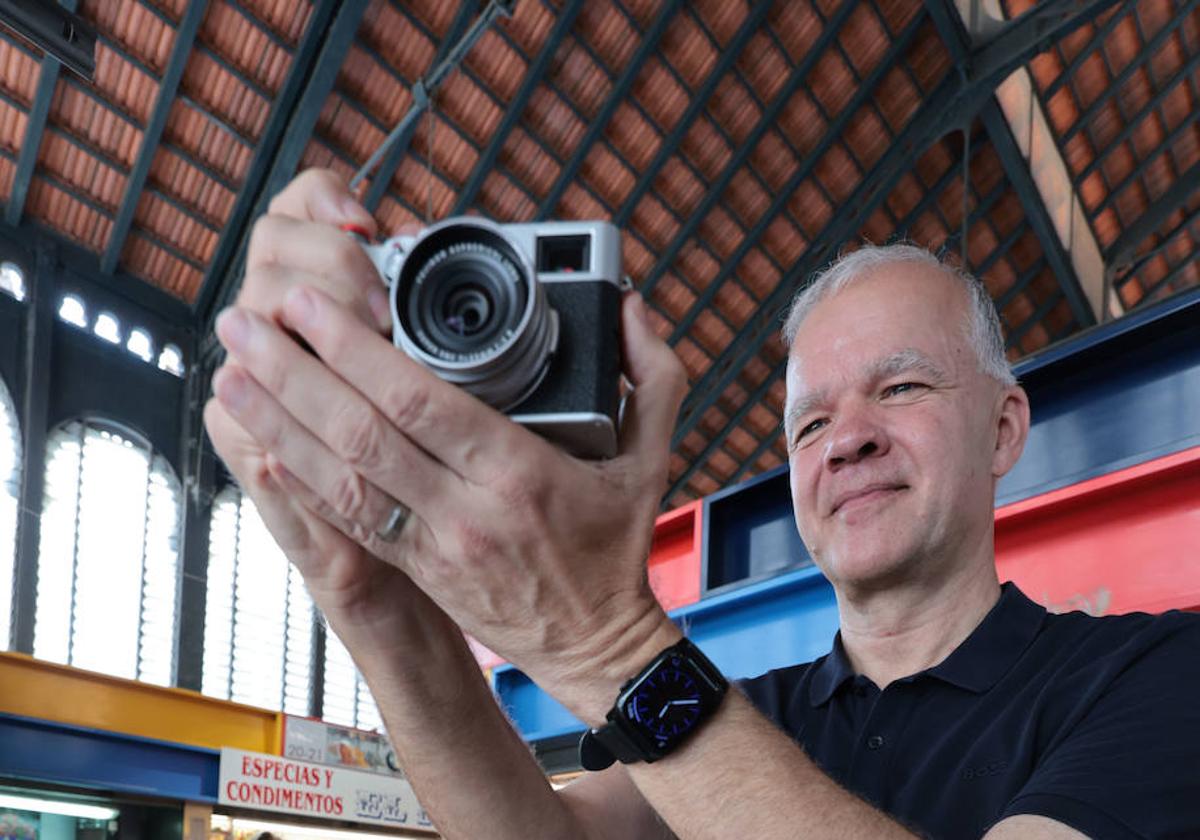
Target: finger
{"type": "Point", "coordinates": [284, 252]}
{"type": "Point", "coordinates": [411, 539]}
{"type": "Point", "coordinates": [353, 497]}
{"type": "Point", "coordinates": [265, 289]}
{"type": "Point", "coordinates": [320, 195]}
{"type": "Point", "coordinates": [659, 383]}
{"type": "Point", "coordinates": [473, 439]}
{"type": "Point", "coordinates": [255, 479]}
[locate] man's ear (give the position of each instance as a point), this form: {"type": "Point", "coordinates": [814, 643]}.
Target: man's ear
{"type": "Point", "coordinates": [1012, 429]}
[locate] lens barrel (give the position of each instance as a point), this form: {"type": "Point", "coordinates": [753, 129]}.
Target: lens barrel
{"type": "Point", "coordinates": [468, 305]}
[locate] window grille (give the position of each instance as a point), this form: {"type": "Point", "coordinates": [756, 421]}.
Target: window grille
{"type": "Point", "coordinates": [348, 701]}
{"type": "Point", "coordinates": [10, 493]}
{"type": "Point", "coordinates": [259, 618]}
{"type": "Point", "coordinates": [108, 561]}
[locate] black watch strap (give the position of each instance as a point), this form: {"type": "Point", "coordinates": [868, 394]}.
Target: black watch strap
{"type": "Point", "coordinates": [600, 747]}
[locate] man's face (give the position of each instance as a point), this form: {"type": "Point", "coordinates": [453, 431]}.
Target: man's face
{"type": "Point", "coordinates": [892, 430]}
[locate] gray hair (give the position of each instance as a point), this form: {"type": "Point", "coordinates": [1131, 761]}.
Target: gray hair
{"type": "Point", "coordinates": [982, 328]}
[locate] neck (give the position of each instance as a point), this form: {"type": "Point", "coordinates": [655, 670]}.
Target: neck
{"type": "Point", "coordinates": [900, 631]}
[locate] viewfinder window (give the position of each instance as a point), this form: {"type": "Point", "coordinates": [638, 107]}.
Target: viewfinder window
{"type": "Point", "coordinates": [564, 253]}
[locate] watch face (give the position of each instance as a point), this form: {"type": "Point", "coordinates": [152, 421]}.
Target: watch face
{"type": "Point", "coordinates": [666, 705]}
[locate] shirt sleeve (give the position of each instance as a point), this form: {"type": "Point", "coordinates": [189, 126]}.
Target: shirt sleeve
{"type": "Point", "coordinates": [1129, 767]}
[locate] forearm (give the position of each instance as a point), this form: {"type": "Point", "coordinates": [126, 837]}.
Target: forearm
{"type": "Point", "coordinates": [741, 777]}
{"type": "Point", "coordinates": [469, 768]}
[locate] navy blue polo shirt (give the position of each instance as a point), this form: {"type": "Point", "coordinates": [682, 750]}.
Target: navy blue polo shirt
{"type": "Point", "coordinates": [1094, 722]}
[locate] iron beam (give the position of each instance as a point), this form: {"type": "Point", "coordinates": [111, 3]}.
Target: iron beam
{"type": "Point", "coordinates": [185, 36]}
{"type": "Point", "coordinates": [957, 98]}
{"type": "Point", "coordinates": [1094, 43]}
{"type": "Point", "coordinates": [391, 162]}
{"type": "Point", "coordinates": [1017, 171]}
{"type": "Point", "coordinates": [303, 61]}
{"type": "Point", "coordinates": [31, 144]}
{"type": "Point", "coordinates": [514, 110]}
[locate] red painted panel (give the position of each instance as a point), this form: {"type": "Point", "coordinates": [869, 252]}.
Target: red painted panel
{"type": "Point", "coordinates": [674, 566]}
{"type": "Point", "coordinates": [1122, 542]}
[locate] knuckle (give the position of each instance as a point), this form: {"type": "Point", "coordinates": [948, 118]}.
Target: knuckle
{"type": "Point", "coordinates": [475, 543]}
{"type": "Point", "coordinates": [407, 405]}
{"type": "Point", "coordinates": [263, 248]}
{"type": "Point", "coordinates": [359, 438]}
{"type": "Point", "coordinates": [349, 498]}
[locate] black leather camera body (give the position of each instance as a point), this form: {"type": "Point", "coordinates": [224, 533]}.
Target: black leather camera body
{"type": "Point", "coordinates": [524, 316]}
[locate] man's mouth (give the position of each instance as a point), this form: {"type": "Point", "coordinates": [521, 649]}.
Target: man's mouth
{"type": "Point", "coordinates": [864, 496]}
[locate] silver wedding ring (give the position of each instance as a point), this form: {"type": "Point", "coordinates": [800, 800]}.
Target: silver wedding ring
{"type": "Point", "coordinates": [395, 523]}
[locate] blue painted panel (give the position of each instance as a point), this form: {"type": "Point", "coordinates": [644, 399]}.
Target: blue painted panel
{"type": "Point", "coordinates": [44, 751]}
{"type": "Point", "coordinates": [787, 619]}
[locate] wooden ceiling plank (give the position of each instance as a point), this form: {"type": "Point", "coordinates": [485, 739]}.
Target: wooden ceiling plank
{"type": "Point", "coordinates": [185, 37]}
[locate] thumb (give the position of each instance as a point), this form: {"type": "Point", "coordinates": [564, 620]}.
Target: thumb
{"type": "Point", "coordinates": [321, 195]}
{"type": "Point", "coordinates": [659, 383]}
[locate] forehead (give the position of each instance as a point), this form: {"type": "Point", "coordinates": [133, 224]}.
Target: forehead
{"type": "Point", "coordinates": [898, 308]}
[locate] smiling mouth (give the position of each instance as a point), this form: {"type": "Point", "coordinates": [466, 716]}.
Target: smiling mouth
{"type": "Point", "coordinates": [867, 496]}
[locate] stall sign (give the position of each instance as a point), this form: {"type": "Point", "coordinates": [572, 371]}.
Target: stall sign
{"type": "Point", "coordinates": [276, 783]}
{"type": "Point", "coordinates": [305, 739]}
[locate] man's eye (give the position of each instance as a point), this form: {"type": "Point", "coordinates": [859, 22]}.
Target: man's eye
{"type": "Point", "coordinates": [810, 428]}
{"type": "Point", "coordinates": [901, 388]}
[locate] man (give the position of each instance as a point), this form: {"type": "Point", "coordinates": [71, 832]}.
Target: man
{"type": "Point", "coordinates": [947, 708]}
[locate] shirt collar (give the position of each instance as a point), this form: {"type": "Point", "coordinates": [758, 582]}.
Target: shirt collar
{"type": "Point", "coordinates": [975, 665]}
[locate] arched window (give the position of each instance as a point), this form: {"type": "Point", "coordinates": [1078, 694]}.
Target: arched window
{"type": "Point", "coordinates": [108, 327]}
{"type": "Point", "coordinates": [140, 344]}
{"type": "Point", "coordinates": [171, 360]}
{"type": "Point", "coordinates": [10, 492]}
{"type": "Point", "coordinates": [259, 618]}
{"type": "Point", "coordinates": [348, 701]}
{"type": "Point", "coordinates": [12, 280]}
{"type": "Point", "coordinates": [72, 310]}
{"type": "Point", "coordinates": [108, 561]}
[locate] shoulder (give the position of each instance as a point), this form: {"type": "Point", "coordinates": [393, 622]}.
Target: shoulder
{"type": "Point", "coordinates": [777, 692]}
{"type": "Point", "coordinates": [1120, 640]}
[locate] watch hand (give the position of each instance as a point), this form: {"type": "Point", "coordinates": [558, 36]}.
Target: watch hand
{"type": "Point", "coordinates": [664, 709]}
{"type": "Point", "coordinates": [692, 702]}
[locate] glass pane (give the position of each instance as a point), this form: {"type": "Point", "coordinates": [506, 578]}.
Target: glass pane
{"type": "Point", "coordinates": [348, 701]}
{"type": "Point", "coordinates": [108, 328]}
{"type": "Point", "coordinates": [72, 311]}
{"type": "Point", "coordinates": [12, 280]}
{"type": "Point", "coordinates": [10, 490]}
{"type": "Point", "coordinates": [259, 617]}
{"type": "Point", "coordinates": [140, 345]}
{"type": "Point", "coordinates": [171, 360]}
{"type": "Point", "coordinates": [108, 560]}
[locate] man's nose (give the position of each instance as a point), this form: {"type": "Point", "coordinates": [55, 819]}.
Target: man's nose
{"type": "Point", "coordinates": [856, 436]}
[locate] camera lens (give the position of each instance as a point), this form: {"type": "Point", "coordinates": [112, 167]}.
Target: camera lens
{"type": "Point", "coordinates": [468, 305]}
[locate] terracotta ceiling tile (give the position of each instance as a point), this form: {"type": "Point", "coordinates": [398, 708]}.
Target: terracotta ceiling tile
{"type": "Point", "coordinates": [525, 158]}
{"type": "Point", "coordinates": [580, 78]}
{"type": "Point", "coordinates": [608, 31]}
{"type": "Point", "coordinates": [135, 27]}
{"type": "Point", "coordinates": [705, 148]}
{"type": "Point", "coordinates": [764, 67]}
{"type": "Point", "coordinates": [18, 72]}
{"type": "Point", "coordinates": [697, 264]}
{"type": "Point", "coordinates": [530, 26]}
{"type": "Point", "coordinates": [287, 18]}
{"type": "Point", "coordinates": [8, 170]}
{"type": "Point", "coordinates": [864, 39]}
{"type": "Point", "coordinates": [721, 18]}
{"type": "Point", "coordinates": [12, 128]}
{"type": "Point", "coordinates": [798, 27]}
{"type": "Point", "coordinates": [757, 272]}
{"type": "Point", "coordinates": [469, 106]}
{"type": "Point", "coordinates": [746, 198]}
{"type": "Point", "coordinates": [654, 221]}
{"type": "Point", "coordinates": [733, 107]}
{"type": "Point", "coordinates": [867, 137]}
{"type": "Point", "coordinates": [391, 34]}
{"type": "Point", "coordinates": [660, 94]}
{"type": "Point", "coordinates": [773, 160]}
{"type": "Point", "coordinates": [897, 99]}
{"type": "Point", "coordinates": [801, 122]}
{"type": "Point", "coordinates": [678, 186]}
{"type": "Point", "coordinates": [688, 49]}
{"type": "Point", "coordinates": [633, 136]}
{"type": "Point", "coordinates": [608, 176]}
{"type": "Point", "coordinates": [551, 119]}
{"type": "Point", "coordinates": [832, 84]}
{"type": "Point", "coordinates": [497, 65]}
{"type": "Point", "coordinates": [928, 59]}
{"type": "Point", "coordinates": [721, 232]}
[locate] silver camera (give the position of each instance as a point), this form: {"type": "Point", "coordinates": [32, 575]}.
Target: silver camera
{"type": "Point", "coordinates": [525, 317]}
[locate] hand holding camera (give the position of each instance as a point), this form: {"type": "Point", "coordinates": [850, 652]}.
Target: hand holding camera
{"type": "Point", "coordinates": [539, 555]}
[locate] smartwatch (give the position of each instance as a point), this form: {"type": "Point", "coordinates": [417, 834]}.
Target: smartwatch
{"type": "Point", "coordinates": [657, 710]}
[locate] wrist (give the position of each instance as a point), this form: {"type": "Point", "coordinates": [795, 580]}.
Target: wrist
{"type": "Point", "coordinates": [590, 688]}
